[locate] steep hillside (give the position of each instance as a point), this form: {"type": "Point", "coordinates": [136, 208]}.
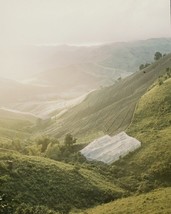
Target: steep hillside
{"type": "Point", "coordinates": [155, 202]}
{"type": "Point", "coordinates": [108, 110]}
{"type": "Point", "coordinates": [149, 167]}
{"type": "Point", "coordinates": [33, 181]}
{"type": "Point", "coordinates": [152, 126]}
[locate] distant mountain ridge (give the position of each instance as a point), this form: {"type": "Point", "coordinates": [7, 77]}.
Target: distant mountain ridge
{"type": "Point", "coordinates": [67, 72]}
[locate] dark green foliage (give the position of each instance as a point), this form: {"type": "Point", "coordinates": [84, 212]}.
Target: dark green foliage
{"type": "Point", "coordinates": [142, 66]}
{"type": "Point", "coordinates": [69, 140]}
{"type": "Point", "coordinates": [160, 81]}
{"type": "Point", "coordinates": [66, 154]}
{"type": "Point", "coordinates": [44, 142]}
{"type": "Point", "coordinates": [157, 55]}
{"type": "Point", "coordinates": [6, 206]}
{"type": "Point", "coordinates": [164, 77]}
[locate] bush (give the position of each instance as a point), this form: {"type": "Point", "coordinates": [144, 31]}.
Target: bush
{"type": "Point", "coordinates": [157, 56]}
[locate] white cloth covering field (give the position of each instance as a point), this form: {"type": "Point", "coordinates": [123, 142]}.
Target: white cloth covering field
{"type": "Point", "coordinates": [109, 149]}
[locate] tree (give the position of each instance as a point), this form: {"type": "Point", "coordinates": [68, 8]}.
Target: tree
{"type": "Point", "coordinates": [69, 140]}
{"type": "Point", "coordinates": [141, 66]}
{"type": "Point", "coordinates": [157, 55]}
{"type": "Point", "coordinates": [44, 142]}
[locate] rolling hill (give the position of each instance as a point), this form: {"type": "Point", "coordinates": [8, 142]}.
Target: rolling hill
{"type": "Point", "coordinates": [108, 110]}
{"type": "Point", "coordinates": [28, 181]}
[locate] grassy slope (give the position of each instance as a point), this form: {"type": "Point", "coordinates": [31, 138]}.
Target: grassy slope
{"type": "Point", "coordinates": [108, 110]}
{"type": "Point", "coordinates": [156, 202]}
{"type": "Point", "coordinates": [152, 126]}
{"type": "Point", "coordinates": [58, 186]}
{"type": "Point", "coordinates": [14, 125]}
{"type": "Point", "coordinates": [149, 167]}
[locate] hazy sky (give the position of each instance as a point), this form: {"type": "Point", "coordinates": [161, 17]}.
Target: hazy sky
{"type": "Point", "coordinates": [82, 21]}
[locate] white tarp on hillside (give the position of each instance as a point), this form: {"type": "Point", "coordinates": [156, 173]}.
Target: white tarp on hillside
{"type": "Point", "coordinates": [109, 149]}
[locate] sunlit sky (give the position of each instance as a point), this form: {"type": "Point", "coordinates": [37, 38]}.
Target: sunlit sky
{"type": "Point", "coordinates": [82, 21]}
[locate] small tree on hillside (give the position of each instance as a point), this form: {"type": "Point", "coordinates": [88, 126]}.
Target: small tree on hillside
{"type": "Point", "coordinates": [157, 55]}
{"type": "Point", "coordinates": [141, 66]}
{"type": "Point", "coordinates": [69, 140]}
{"type": "Point", "coordinates": [44, 142]}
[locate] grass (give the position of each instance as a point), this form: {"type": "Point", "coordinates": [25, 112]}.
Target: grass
{"type": "Point", "coordinates": [147, 169]}
{"type": "Point", "coordinates": [152, 126]}
{"type": "Point", "coordinates": [15, 126]}
{"type": "Point", "coordinates": [55, 185]}
{"type": "Point", "coordinates": [156, 202]}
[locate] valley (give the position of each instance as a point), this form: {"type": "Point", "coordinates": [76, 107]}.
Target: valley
{"type": "Point", "coordinates": [46, 123]}
{"type": "Point", "coordinates": [66, 72]}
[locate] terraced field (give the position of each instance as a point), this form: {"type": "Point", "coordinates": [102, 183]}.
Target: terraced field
{"type": "Point", "coordinates": [108, 110]}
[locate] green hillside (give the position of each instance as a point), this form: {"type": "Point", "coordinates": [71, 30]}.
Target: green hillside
{"type": "Point", "coordinates": [152, 126]}
{"type": "Point", "coordinates": [156, 202]}
{"type": "Point", "coordinates": [149, 167]}
{"type": "Point", "coordinates": [36, 183]}
{"type": "Point", "coordinates": [32, 181]}
{"type": "Point", "coordinates": [15, 126]}
{"type": "Point", "coordinates": [139, 104]}
{"type": "Point", "coordinates": [108, 110]}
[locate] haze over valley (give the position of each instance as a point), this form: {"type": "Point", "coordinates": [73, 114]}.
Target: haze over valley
{"type": "Point", "coordinates": [61, 74]}
{"type": "Point", "coordinates": [85, 107]}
